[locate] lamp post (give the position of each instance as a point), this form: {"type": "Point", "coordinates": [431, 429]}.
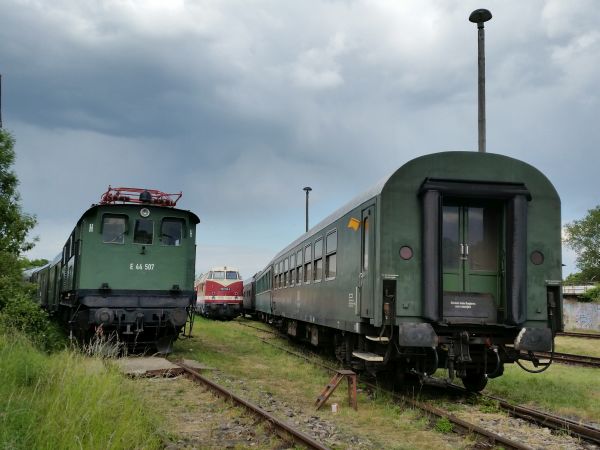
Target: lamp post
{"type": "Point", "coordinates": [307, 189]}
{"type": "Point", "coordinates": [480, 16]}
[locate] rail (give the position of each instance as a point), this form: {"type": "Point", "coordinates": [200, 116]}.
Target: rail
{"type": "Point", "coordinates": [580, 335]}
{"type": "Point", "coordinates": [463, 425]}
{"type": "Point", "coordinates": [283, 429]}
{"type": "Point", "coordinates": [562, 424]}
{"type": "Point", "coordinates": [568, 358]}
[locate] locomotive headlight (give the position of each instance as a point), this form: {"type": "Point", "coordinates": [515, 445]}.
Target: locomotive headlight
{"type": "Point", "coordinates": [144, 212]}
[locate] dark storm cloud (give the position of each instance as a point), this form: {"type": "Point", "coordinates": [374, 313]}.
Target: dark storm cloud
{"type": "Point", "coordinates": [241, 105]}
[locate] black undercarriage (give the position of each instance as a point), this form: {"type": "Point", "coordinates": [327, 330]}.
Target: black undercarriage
{"type": "Point", "coordinates": [472, 353]}
{"type": "Point", "coordinates": [139, 321]}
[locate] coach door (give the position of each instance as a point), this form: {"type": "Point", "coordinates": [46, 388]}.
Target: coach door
{"type": "Point", "coordinates": [471, 261]}
{"type": "Point", "coordinates": [366, 276]}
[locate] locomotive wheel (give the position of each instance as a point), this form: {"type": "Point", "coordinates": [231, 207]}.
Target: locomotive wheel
{"type": "Point", "coordinates": [474, 381]}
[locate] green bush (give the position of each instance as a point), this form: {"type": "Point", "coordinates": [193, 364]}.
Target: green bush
{"type": "Point", "coordinates": [22, 315]}
{"type": "Point", "coordinates": [591, 295]}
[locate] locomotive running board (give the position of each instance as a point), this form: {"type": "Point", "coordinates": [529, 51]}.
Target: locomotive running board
{"type": "Point", "coordinates": [378, 338]}
{"type": "Point", "coordinates": [367, 356]}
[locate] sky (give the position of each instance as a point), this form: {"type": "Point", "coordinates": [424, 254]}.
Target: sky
{"type": "Point", "coordinates": [240, 104]}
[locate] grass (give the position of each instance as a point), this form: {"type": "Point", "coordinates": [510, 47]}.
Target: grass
{"type": "Point", "coordinates": [577, 346]}
{"type": "Point", "coordinates": [443, 425]}
{"type": "Point", "coordinates": [236, 351]}
{"type": "Point", "coordinates": [567, 390]}
{"type": "Point", "coordinates": [67, 401]}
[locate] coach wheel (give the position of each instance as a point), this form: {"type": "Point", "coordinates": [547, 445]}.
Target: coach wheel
{"type": "Point", "coordinates": [474, 380]}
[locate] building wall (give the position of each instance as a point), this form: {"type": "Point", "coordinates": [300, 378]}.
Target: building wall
{"type": "Point", "coordinates": [578, 315]}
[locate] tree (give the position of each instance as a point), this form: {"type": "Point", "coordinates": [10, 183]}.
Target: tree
{"type": "Point", "coordinates": [583, 236]}
{"type": "Point", "coordinates": [14, 223]}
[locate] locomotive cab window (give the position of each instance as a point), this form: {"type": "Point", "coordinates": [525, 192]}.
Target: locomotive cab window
{"type": "Point", "coordinates": [114, 229]}
{"type": "Point", "coordinates": [331, 255]}
{"type": "Point", "coordinates": [231, 275]}
{"type": "Point", "coordinates": [143, 231]}
{"type": "Point", "coordinates": [218, 275]}
{"type": "Point", "coordinates": [171, 232]}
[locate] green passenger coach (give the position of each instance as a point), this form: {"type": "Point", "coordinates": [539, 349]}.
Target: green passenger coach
{"type": "Point", "coordinates": [128, 267]}
{"type": "Point", "coordinates": [453, 261]}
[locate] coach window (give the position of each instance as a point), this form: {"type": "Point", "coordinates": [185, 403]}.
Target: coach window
{"type": "Point", "coordinates": [318, 260]}
{"type": "Point", "coordinates": [307, 263]}
{"type": "Point", "coordinates": [292, 269]}
{"type": "Point", "coordinates": [286, 268]}
{"type": "Point", "coordinates": [330, 255]}
{"type": "Point", "coordinates": [171, 231]}
{"type": "Point", "coordinates": [70, 250]}
{"type": "Point", "coordinates": [277, 276]}
{"type": "Point", "coordinates": [365, 257]}
{"type": "Point", "coordinates": [275, 271]}
{"type": "Point", "coordinates": [113, 230]}
{"type": "Point", "coordinates": [280, 274]}
{"type": "Point", "coordinates": [143, 232]}
{"type": "Point", "coordinates": [299, 267]}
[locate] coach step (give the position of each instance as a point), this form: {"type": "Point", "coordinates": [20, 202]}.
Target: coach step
{"type": "Point", "coordinates": [367, 356]}
{"type": "Point", "coordinates": [382, 339]}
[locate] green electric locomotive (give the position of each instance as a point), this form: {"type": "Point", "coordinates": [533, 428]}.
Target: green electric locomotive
{"type": "Point", "coordinates": [454, 261]}
{"type": "Point", "coordinates": [127, 267]}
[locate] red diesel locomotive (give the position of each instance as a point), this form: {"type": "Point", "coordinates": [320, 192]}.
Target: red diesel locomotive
{"type": "Point", "coordinates": [220, 293]}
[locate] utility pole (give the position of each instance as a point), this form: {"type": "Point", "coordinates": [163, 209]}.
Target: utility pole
{"type": "Point", "coordinates": [307, 189]}
{"type": "Point", "coordinates": [480, 16]}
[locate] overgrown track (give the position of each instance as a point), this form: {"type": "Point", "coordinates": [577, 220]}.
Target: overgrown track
{"type": "Point", "coordinates": [575, 429]}
{"type": "Point", "coordinates": [580, 335]}
{"type": "Point", "coordinates": [464, 426]}
{"type": "Point", "coordinates": [562, 424]}
{"type": "Point", "coordinates": [567, 358]}
{"type": "Point", "coordinates": [284, 430]}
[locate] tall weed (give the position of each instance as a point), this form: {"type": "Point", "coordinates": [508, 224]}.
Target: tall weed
{"type": "Point", "coordinates": [68, 401]}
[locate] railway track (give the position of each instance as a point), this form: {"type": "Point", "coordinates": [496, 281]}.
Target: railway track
{"type": "Point", "coordinates": [460, 425]}
{"type": "Point", "coordinates": [540, 418]}
{"type": "Point", "coordinates": [568, 358]}
{"type": "Point", "coordinates": [580, 335]}
{"type": "Point", "coordinates": [283, 429]}
{"type": "Point", "coordinates": [573, 428]}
